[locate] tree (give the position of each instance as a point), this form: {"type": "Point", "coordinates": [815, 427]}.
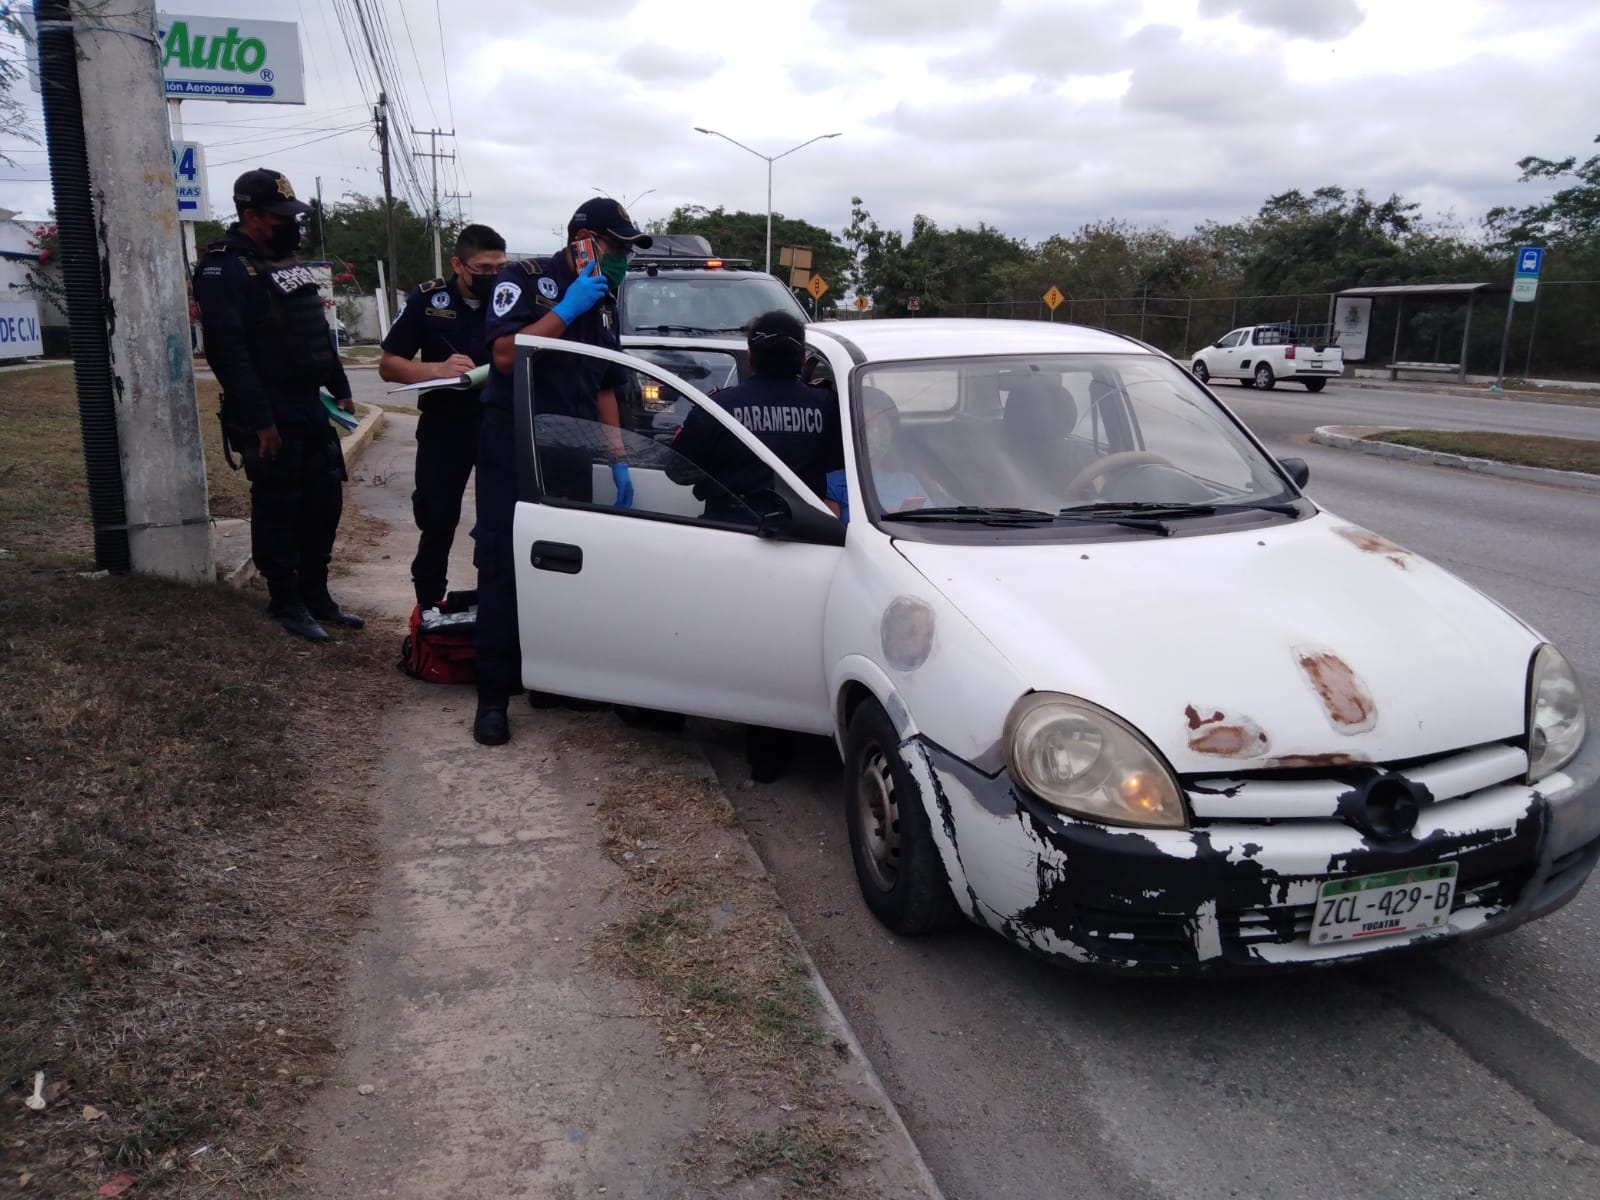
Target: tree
{"type": "Point", "coordinates": [951, 272]}
{"type": "Point", "coordinates": [1570, 217]}
{"type": "Point", "coordinates": [744, 235]}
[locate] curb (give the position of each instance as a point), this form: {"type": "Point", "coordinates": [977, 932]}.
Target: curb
{"type": "Point", "coordinates": [354, 447]}
{"type": "Point", "coordinates": [1353, 437]}
{"type": "Point", "coordinates": [869, 1075]}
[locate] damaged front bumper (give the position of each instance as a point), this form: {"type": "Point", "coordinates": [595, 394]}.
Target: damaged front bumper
{"type": "Point", "coordinates": [1239, 893]}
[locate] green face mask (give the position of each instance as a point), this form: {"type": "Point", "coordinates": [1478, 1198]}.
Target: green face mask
{"type": "Point", "coordinates": [614, 267]}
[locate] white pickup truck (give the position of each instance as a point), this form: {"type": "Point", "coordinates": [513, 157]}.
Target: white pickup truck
{"type": "Point", "coordinates": [1262, 355]}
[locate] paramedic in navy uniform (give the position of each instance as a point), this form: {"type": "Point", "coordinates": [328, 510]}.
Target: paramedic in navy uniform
{"type": "Point", "coordinates": [798, 423]}
{"type": "Point", "coordinates": [546, 297]}
{"type": "Point", "coordinates": [270, 345]}
{"type": "Point", "coordinates": [444, 319]}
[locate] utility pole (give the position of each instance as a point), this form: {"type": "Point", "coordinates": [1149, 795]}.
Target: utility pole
{"type": "Point", "coordinates": [130, 162]}
{"type": "Point", "coordinates": [322, 237]}
{"type": "Point", "coordinates": [433, 217]}
{"type": "Point", "coordinates": [458, 197]}
{"type": "Point", "coordinates": [381, 116]}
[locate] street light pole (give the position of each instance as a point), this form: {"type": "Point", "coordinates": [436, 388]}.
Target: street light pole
{"type": "Point", "coordinates": [770, 159]}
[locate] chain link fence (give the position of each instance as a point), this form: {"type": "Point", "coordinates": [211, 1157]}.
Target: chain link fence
{"type": "Point", "coordinates": [1556, 336]}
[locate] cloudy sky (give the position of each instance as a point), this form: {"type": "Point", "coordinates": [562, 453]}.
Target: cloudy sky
{"type": "Point", "coordinates": [1035, 116]}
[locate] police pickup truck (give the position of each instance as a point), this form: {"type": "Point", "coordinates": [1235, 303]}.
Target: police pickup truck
{"type": "Point", "coordinates": [1261, 356]}
{"type": "Point", "coordinates": [677, 290]}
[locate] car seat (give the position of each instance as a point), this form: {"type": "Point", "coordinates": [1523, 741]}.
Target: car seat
{"type": "Point", "coordinates": [1038, 418]}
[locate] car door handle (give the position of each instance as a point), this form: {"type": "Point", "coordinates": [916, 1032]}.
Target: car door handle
{"type": "Point", "coordinates": [556, 556]}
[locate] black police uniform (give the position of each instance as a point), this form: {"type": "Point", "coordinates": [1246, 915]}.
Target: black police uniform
{"type": "Point", "coordinates": [563, 386]}
{"type": "Point", "coordinates": [798, 422]}
{"type": "Point", "coordinates": [439, 321]}
{"type": "Point", "coordinates": [270, 346]}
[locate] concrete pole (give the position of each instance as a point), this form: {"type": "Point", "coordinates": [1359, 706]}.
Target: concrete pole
{"type": "Point", "coordinates": [130, 164]}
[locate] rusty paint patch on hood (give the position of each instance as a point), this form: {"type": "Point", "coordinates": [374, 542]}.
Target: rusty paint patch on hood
{"type": "Point", "coordinates": [1218, 734]}
{"type": "Point", "coordinates": [1372, 543]}
{"type": "Point", "coordinates": [1349, 706]}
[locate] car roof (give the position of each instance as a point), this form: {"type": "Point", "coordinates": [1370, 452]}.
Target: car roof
{"type": "Point", "coordinates": [892, 338]}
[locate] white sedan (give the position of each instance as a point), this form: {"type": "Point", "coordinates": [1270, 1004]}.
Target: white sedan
{"type": "Point", "coordinates": [1103, 678]}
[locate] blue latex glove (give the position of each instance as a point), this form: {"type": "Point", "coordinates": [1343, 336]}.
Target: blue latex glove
{"type": "Point", "coordinates": [624, 482]}
{"type": "Point", "coordinates": [582, 294]}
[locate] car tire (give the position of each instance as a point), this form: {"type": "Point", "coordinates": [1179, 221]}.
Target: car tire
{"type": "Point", "coordinates": [1315, 385]}
{"type": "Point", "coordinates": [654, 719]}
{"type": "Point", "coordinates": [1200, 372]}
{"type": "Point", "coordinates": [897, 863]}
{"type": "Point", "coordinates": [1263, 377]}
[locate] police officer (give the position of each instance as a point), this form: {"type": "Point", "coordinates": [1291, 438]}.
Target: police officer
{"type": "Point", "coordinates": [797, 422]}
{"type": "Point", "coordinates": [444, 319]}
{"type": "Point", "coordinates": [546, 297]}
{"type": "Point", "coordinates": [269, 344]}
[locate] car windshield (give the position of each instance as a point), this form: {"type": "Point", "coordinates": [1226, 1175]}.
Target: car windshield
{"type": "Point", "coordinates": [700, 302]}
{"type": "Point", "coordinates": [1124, 440]}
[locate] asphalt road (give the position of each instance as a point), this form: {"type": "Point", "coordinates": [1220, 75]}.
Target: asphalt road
{"type": "Point", "coordinates": [1470, 1071]}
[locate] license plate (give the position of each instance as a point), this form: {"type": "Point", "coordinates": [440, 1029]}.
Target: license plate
{"type": "Point", "coordinates": [1372, 906]}
{"type": "Point", "coordinates": [1316, 362]}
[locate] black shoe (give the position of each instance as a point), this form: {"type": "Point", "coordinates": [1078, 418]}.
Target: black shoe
{"type": "Point", "coordinates": [297, 620]}
{"type": "Point", "coordinates": [329, 613]}
{"type": "Point", "coordinates": [490, 727]}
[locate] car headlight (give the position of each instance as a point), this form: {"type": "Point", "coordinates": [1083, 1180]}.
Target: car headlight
{"type": "Point", "coordinates": [1556, 721]}
{"type": "Point", "coordinates": [1079, 758]}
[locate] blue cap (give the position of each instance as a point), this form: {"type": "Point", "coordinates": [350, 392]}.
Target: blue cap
{"type": "Point", "coordinates": [605, 215]}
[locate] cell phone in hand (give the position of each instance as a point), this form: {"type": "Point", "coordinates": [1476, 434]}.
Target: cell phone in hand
{"type": "Point", "coordinates": [584, 253]}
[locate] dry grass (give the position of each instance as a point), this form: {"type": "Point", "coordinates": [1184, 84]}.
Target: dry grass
{"type": "Point", "coordinates": [186, 844]}
{"type": "Point", "coordinates": [1528, 450]}
{"type": "Point", "coordinates": [725, 982]}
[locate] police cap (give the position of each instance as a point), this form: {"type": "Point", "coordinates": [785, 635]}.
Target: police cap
{"type": "Point", "coordinates": [269, 191]}
{"type": "Point", "coordinates": [605, 215]}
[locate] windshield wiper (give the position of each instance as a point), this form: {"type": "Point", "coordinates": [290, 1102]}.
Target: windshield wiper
{"type": "Point", "coordinates": [679, 329]}
{"type": "Point", "coordinates": [974, 514]}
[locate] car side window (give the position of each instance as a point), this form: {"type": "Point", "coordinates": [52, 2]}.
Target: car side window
{"type": "Point", "coordinates": [1231, 340]}
{"type": "Point", "coordinates": [574, 457]}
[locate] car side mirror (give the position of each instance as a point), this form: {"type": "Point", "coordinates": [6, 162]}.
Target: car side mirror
{"type": "Point", "coordinates": [1296, 469]}
{"type": "Point", "coordinates": [786, 517]}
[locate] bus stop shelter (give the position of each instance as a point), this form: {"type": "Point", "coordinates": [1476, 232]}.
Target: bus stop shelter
{"type": "Point", "coordinates": [1421, 291]}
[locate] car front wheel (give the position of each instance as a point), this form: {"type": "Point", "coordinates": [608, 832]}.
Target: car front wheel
{"type": "Point", "coordinates": [1200, 372]}
{"type": "Point", "coordinates": [891, 842]}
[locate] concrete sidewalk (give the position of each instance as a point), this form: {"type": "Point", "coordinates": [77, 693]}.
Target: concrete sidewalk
{"type": "Point", "coordinates": [488, 1054]}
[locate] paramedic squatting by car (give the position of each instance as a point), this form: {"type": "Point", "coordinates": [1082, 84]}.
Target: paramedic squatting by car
{"type": "Point", "coordinates": [444, 320]}
{"type": "Point", "coordinates": [798, 423]}
{"type": "Point", "coordinates": [270, 346]}
{"type": "Point", "coordinates": [545, 297]}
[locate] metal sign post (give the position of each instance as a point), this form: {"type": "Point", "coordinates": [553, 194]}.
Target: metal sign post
{"type": "Point", "coordinates": [1524, 288]}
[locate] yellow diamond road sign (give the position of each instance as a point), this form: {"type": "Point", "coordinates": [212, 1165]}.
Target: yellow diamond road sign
{"type": "Point", "coordinates": [1053, 297]}
{"type": "Point", "coordinates": [861, 304]}
{"type": "Point", "coordinates": [817, 287]}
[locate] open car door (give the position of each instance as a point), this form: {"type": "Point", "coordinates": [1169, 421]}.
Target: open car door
{"type": "Point", "coordinates": [653, 605]}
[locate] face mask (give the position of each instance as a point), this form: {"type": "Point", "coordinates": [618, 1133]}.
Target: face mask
{"type": "Point", "coordinates": [614, 267]}
{"type": "Point", "coordinates": [284, 240]}
{"type": "Point", "coordinates": [482, 288]}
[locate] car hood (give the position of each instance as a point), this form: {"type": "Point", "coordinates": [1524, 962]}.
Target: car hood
{"type": "Point", "coordinates": [1303, 644]}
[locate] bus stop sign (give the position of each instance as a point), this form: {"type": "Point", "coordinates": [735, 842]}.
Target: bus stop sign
{"type": "Point", "coordinates": [1525, 281]}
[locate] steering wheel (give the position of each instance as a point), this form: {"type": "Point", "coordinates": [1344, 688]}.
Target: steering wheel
{"type": "Point", "coordinates": [1111, 464]}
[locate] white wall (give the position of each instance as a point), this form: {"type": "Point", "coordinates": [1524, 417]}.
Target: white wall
{"type": "Point", "coordinates": [16, 260]}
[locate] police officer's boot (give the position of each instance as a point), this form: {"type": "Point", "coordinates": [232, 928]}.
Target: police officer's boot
{"type": "Point", "coordinates": [326, 609]}
{"type": "Point", "coordinates": [297, 619]}
{"type": "Point", "coordinates": [491, 726]}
